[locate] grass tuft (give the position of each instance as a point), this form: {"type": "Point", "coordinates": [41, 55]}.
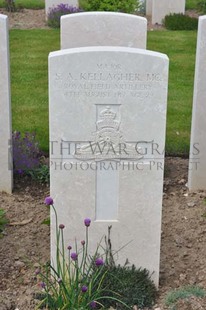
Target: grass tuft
{"type": "Point", "coordinates": [3, 221]}
{"type": "Point", "coordinates": [183, 293]}
{"type": "Point", "coordinates": [26, 4]}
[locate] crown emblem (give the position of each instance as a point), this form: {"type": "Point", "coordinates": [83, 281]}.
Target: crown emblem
{"type": "Point", "coordinates": [107, 117]}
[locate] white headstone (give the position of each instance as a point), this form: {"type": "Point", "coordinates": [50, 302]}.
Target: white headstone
{"type": "Point", "coordinates": [53, 3]}
{"type": "Point", "coordinates": [107, 133]}
{"type": "Point", "coordinates": [6, 178]}
{"type": "Point", "coordinates": [103, 29]}
{"type": "Point", "coordinates": [161, 8]}
{"type": "Point", "coordinates": [148, 7]}
{"type": "Point", "coordinates": [197, 163]}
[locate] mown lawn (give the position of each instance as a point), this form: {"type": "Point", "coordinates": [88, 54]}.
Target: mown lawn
{"type": "Point", "coordinates": [180, 46]}
{"type": "Point", "coordinates": [192, 4]}
{"type": "Point", "coordinates": [27, 4]}
{"type": "Point", "coordinates": [29, 54]}
{"type": "Point", "coordinates": [29, 80]}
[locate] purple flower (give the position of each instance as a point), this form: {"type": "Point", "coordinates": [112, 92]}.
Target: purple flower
{"type": "Point", "coordinates": [61, 226]}
{"type": "Point", "coordinates": [42, 284]}
{"type": "Point", "coordinates": [83, 242]}
{"type": "Point", "coordinates": [37, 271]}
{"type": "Point", "coordinates": [87, 222]}
{"type": "Point", "coordinates": [69, 247]}
{"type": "Point", "coordinates": [93, 304]}
{"type": "Point", "coordinates": [74, 256]}
{"type": "Point", "coordinates": [56, 12]}
{"type": "Point", "coordinates": [99, 262]}
{"type": "Point", "coordinates": [26, 153]}
{"type": "Point", "coordinates": [48, 201]}
{"type": "Point", "coordinates": [59, 280]}
{"type": "Point", "coordinates": [84, 289]}
{"type": "Point", "coordinates": [16, 134]}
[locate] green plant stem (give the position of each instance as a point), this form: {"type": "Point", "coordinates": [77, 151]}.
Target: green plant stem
{"type": "Point", "coordinates": [63, 254]}
{"type": "Point", "coordinates": [86, 249]}
{"type": "Point", "coordinates": [69, 268]}
{"type": "Point", "coordinates": [57, 243]}
{"type": "Point", "coordinates": [77, 277]}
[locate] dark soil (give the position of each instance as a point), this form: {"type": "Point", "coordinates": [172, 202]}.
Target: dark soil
{"type": "Point", "coordinates": [25, 244]}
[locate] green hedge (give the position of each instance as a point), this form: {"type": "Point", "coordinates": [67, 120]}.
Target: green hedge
{"type": "Point", "coordinates": [126, 6]}
{"type": "Point", "coordinates": [180, 22]}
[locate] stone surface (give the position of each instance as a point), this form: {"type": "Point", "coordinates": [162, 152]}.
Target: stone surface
{"type": "Point", "coordinates": [161, 8]}
{"type": "Point", "coordinates": [197, 163]}
{"type": "Point", "coordinates": [148, 7]}
{"type": "Point", "coordinates": [52, 3]}
{"type": "Point", "coordinates": [6, 180]}
{"type": "Point", "coordinates": [103, 29]}
{"type": "Point", "coordinates": [107, 133]}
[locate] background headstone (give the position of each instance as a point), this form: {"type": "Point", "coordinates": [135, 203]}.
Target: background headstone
{"type": "Point", "coordinates": [53, 3]}
{"type": "Point", "coordinates": [148, 7]}
{"type": "Point", "coordinates": [161, 8]}
{"type": "Point", "coordinates": [197, 163]}
{"type": "Point", "coordinates": [118, 95]}
{"type": "Point", "coordinates": [103, 29]}
{"type": "Point", "coordinates": [6, 178]}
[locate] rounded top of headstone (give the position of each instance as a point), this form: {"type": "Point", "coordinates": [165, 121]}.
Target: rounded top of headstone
{"type": "Point", "coordinates": [108, 49]}
{"type": "Point", "coordinates": [2, 16]}
{"type": "Point", "coordinates": [203, 17]}
{"type": "Point", "coordinates": [95, 13]}
{"type": "Point", "coordinates": [103, 29]}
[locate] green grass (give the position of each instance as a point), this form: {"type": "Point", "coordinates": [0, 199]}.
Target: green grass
{"type": "Point", "coordinates": [27, 4]}
{"type": "Point", "coordinates": [180, 47]}
{"type": "Point", "coordinates": [39, 4]}
{"type": "Point", "coordinates": [29, 79]}
{"type": "Point", "coordinates": [3, 221]}
{"type": "Point", "coordinates": [183, 293]}
{"type": "Point", "coordinates": [192, 4]}
{"type": "Point", "coordinates": [29, 70]}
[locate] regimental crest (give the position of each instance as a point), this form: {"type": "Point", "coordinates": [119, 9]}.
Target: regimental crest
{"type": "Point", "coordinates": [108, 143]}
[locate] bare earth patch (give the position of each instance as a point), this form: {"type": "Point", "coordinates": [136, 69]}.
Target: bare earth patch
{"type": "Point", "coordinates": [26, 19]}
{"type": "Point", "coordinates": [26, 242]}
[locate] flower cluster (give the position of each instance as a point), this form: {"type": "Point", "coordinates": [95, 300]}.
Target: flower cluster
{"type": "Point", "coordinates": [77, 274]}
{"type": "Point", "coordinates": [26, 152]}
{"type": "Point", "coordinates": [48, 201]}
{"type": "Point", "coordinates": [78, 280]}
{"type": "Point", "coordinates": [56, 12]}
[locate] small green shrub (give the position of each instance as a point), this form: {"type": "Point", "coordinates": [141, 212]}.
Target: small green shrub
{"type": "Point", "coordinates": [10, 5]}
{"type": "Point", "coordinates": [129, 6]}
{"type": "Point", "coordinates": [3, 221]}
{"type": "Point", "coordinates": [202, 6]}
{"type": "Point", "coordinates": [184, 292]}
{"type": "Point", "coordinates": [41, 174]}
{"type": "Point", "coordinates": [133, 285]}
{"type": "Point", "coordinates": [180, 22]}
{"type": "Point", "coordinates": [142, 7]}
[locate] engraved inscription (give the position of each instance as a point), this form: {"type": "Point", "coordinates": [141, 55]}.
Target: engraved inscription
{"type": "Point", "coordinates": [108, 81]}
